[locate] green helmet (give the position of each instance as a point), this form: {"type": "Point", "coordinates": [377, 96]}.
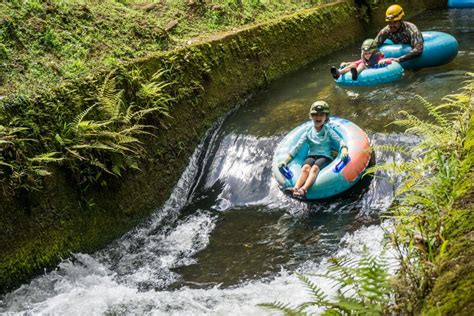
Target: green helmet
{"type": "Point", "coordinates": [319, 107]}
{"type": "Point", "coordinates": [369, 45]}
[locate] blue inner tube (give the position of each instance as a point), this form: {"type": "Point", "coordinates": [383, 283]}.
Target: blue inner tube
{"type": "Point", "coordinates": [339, 175]}
{"type": "Point", "coordinates": [461, 3]}
{"type": "Point", "coordinates": [373, 76]}
{"type": "Point", "coordinates": [439, 48]}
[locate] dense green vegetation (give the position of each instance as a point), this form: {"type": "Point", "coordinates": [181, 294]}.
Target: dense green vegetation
{"type": "Point", "coordinates": [432, 225]}
{"type": "Point", "coordinates": [101, 139]}
{"type": "Point", "coordinates": [45, 42]}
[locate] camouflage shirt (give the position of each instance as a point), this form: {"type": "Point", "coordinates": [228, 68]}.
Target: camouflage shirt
{"type": "Point", "coordinates": [408, 33]}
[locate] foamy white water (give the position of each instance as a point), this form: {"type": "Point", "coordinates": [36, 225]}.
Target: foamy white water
{"type": "Point", "coordinates": [134, 274]}
{"type": "Point", "coordinates": [87, 287]}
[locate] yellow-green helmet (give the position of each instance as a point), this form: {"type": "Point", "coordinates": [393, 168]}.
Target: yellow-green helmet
{"type": "Point", "coordinates": [369, 45]}
{"type": "Point", "coordinates": [394, 13]}
{"type": "Point", "coordinates": [319, 107]}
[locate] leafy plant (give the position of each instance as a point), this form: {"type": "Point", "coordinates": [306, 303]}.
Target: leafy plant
{"type": "Point", "coordinates": [432, 181]}
{"type": "Point", "coordinates": [103, 140]}
{"type": "Point", "coordinates": [362, 288]}
{"type": "Point", "coordinates": [94, 147]}
{"type": "Point", "coordinates": [17, 170]}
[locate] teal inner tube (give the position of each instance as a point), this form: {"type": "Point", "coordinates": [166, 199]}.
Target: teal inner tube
{"type": "Point", "coordinates": [460, 3]}
{"type": "Point", "coordinates": [339, 175]}
{"type": "Point", "coordinates": [439, 48]}
{"type": "Point", "coordinates": [373, 76]}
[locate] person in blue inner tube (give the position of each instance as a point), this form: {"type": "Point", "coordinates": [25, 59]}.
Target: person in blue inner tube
{"type": "Point", "coordinates": [321, 140]}
{"type": "Point", "coordinates": [370, 57]}
{"type": "Point", "coordinates": [400, 32]}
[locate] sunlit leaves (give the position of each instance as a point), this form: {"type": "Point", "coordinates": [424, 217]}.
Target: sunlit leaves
{"type": "Point", "coordinates": [437, 173]}
{"type": "Point", "coordinates": [362, 288]}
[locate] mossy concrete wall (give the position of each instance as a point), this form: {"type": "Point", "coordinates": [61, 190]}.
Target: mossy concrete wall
{"type": "Point", "coordinates": [39, 228]}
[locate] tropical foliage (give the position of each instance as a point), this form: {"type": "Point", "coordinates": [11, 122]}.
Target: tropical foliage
{"type": "Point", "coordinates": [362, 288]}
{"type": "Point", "coordinates": [439, 175]}
{"type": "Point", "coordinates": [103, 139]}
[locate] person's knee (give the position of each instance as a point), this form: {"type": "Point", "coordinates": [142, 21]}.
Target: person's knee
{"type": "Point", "coordinates": [315, 168]}
{"type": "Point", "coordinates": [306, 168]}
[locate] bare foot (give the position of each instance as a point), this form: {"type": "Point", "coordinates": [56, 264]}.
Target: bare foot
{"type": "Point", "coordinates": [299, 193]}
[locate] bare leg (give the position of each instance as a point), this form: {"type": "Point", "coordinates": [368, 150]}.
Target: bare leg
{"type": "Point", "coordinates": [347, 68]}
{"type": "Point", "coordinates": [303, 176]}
{"type": "Point", "coordinates": [360, 67]}
{"type": "Point", "coordinates": [313, 173]}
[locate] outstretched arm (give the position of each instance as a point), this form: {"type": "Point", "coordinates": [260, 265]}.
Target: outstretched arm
{"type": "Point", "coordinates": [416, 42]}
{"type": "Point", "coordinates": [382, 36]}
{"type": "Point", "coordinates": [416, 50]}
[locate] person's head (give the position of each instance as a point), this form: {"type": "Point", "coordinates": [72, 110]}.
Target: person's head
{"type": "Point", "coordinates": [368, 47]}
{"type": "Point", "coordinates": [319, 112]}
{"type": "Point", "coordinates": [393, 16]}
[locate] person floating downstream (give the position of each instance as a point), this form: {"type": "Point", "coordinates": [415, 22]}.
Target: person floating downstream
{"type": "Point", "coordinates": [321, 140]}
{"type": "Point", "coordinates": [400, 32]}
{"type": "Point", "coordinates": [370, 57]}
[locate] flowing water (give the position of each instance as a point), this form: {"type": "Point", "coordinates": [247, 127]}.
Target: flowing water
{"type": "Point", "coordinates": [228, 239]}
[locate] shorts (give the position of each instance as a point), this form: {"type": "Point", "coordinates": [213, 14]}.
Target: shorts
{"type": "Point", "coordinates": [320, 161]}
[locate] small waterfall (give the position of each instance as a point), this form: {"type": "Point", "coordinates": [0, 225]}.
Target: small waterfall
{"type": "Point", "coordinates": [137, 272]}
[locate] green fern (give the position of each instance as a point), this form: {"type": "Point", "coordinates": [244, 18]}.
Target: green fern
{"type": "Point", "coordinates": [287, 309]}
{"type": "Point", "coordinates": [435, 112]}
{"type": "Point", "coordinates": [110, 142]}
{"type": "Point", "coordinates": [362, 287]}
{"type": "Point", "coordinates": [431, 184]}
{"type": "Point", "coordinates": [110, 98]}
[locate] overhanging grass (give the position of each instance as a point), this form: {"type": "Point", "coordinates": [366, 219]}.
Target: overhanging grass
{"type": "Point", "coordinates": [45, 42]}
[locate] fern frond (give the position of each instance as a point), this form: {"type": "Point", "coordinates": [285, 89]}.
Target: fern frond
{"type": "Point", "coordinates": [287, 309]}
{"type": "Point", "coordinates": [47, 157]}
{"type": "Point", "coordinates": [2, 163]}
{"type": "Point", "coordinates": [100, 165]}
{"type": "Point", "coordinates": [120, 138]}
{"type": "Point", "coordinates": [41, 172]}
{"type": "Point", "coordinates": [434, 112]}
{"type": "Point", "coordinates": [110, 98]}
{"type": "Point", "coordinates": [100, 146]}
{"type": "Point", "coordinates": [74, 125]}
{"type": "Point", "coordinates": [393, 148]}
{"type": "Point", "coordinates": [418, 127]}
{"type": "Point", "coordinates": [315, 291]}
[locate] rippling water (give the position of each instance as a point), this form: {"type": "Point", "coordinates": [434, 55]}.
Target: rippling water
{"type": "Point", "coordinates": [228, 239]}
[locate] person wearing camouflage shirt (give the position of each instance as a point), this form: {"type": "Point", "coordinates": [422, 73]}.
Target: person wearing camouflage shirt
{"type": "Point", "coordinates": [400, 32]}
